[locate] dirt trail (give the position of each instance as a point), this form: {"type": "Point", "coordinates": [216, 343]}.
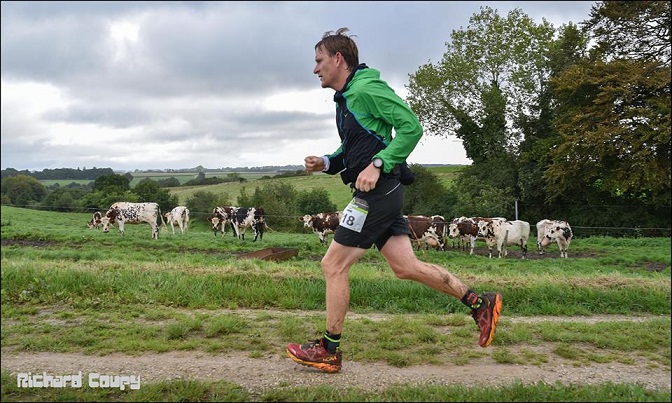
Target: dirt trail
{"type": "Point", "coordinates": [277, 370]}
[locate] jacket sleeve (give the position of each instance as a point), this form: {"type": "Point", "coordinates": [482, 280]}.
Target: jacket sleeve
{"type": "Point", "coordinates": [336, 164]}
{"type": "Point", "coordinates": [389, 107]}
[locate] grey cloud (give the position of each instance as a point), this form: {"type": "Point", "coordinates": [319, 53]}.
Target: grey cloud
{"type": "Point", "coordinates": [193, 80]}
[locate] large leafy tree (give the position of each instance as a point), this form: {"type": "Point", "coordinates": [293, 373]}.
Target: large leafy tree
{"type": "Point", "coordinates": [638, 30]}
{"type": "Point", "coordinates": [613, 114]}
{"type": "Point", "coordinates": [491, 73]}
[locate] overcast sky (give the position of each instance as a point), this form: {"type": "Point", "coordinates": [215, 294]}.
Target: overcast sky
{"type": "Point", "coordinates": [159, 85]}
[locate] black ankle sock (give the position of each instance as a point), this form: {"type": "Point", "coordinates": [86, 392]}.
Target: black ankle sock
{"type": "Point", "coordinates": [472, 300]}
{"type": "Point", "coordinates": [331, 341]}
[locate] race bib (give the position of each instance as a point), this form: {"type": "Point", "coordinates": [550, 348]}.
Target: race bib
{"type": "Point", "coordinates": [354, 214]}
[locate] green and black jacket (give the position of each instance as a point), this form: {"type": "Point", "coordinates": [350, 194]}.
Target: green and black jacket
{"type": "Point", "coordinates": [367, 111]}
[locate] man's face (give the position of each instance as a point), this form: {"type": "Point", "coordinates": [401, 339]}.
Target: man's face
{"type": "Point", "coordinates": [326, 68]}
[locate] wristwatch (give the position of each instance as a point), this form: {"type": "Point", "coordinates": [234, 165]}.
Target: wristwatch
{"type": "Point", "coordinates": [378, 163]}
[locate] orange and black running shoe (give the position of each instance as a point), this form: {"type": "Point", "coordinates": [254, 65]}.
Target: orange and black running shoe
{"type": "Point", "coordinates": [313, 354]}
{"type": "Point", "coordinates": [486, 317]}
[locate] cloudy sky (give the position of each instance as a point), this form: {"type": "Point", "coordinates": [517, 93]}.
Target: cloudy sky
{"type": "Point", "coordinates": [158, 85]}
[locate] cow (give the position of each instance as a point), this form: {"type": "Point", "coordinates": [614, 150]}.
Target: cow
{"type": "Point", "coordinates": [95, 220]}
{"type": "Point", "coordinates": [560, 232]}
{"type": "Point", "coordinates": [541, 230]}
{"type": "Point", "coordinates": [466, 230]}
{"type": "Point", "coordinates": [504, 233]}
{"type": "Point", "coordinates": [248, 217]}
{"type": "Point", "coordinates": [322, 224]}
{"type": "Point", "coordinates": [180, 216]}
{"type": "Point", "coordinates": [424, 229]}
{"type": "Point", "coordinates": [453, 233]}
{"type": "Point", "coordinates": [441, 226]}
{"type": "Point", "coordinates": [429, 240]}
{"type": "Point", "coordinates": [122, 213]}
{"type": "Point", "coordinates": [220, 217]}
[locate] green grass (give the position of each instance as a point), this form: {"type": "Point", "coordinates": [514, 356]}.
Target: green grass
{"type": "Point", "coordinates": [67, 288]}
{"type": "Point", "coordinates": [186, 390]}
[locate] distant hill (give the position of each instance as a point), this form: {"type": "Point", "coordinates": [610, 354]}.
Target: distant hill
{"type": "Point", "coordinates": [94, 173]}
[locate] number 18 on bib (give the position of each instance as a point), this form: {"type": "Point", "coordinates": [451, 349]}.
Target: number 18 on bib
{"type": "Point", "coordinates": [354, 214]}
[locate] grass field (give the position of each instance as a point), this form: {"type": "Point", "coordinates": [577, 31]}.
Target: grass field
{"type": "Point", "coordinates": [70, 289]}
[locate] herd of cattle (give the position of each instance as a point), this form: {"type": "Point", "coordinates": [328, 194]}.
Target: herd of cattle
{"type": "Point", "coordinates": [239, 218]}
{"type": "Point", "coordinates": [434, 231]}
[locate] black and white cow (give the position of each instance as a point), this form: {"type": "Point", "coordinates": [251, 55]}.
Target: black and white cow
{"type": "Point", "coordinates": [220, 217]}
{"type": "Point", "coordinates": [180, 216]}
{"type": "Point", "coordinates": [561, 233]}
{"type": "Point", "coordinates": [248, 217]}
{"type": "Point", "coordinates": [322, 224]}
{"type": "Point", "coordinates": [122, 213]}
{"type": "Point", "coordinates": [544, 224]}
{"type": "Point", "coordinates": [95, 220]}
{"type": "Point", "coordinates": [504, 233]}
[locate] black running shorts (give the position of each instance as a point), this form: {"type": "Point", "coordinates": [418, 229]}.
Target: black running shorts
{"type": "Point", "coordinates": [383, 218]}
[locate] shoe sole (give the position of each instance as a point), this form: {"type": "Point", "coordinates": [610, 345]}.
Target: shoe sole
{"type": "Point", "coordinates": [495, 317]}
{"type": "Point", "coordinates": [319, 365]}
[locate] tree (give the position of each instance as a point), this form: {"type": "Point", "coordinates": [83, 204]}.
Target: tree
{"type": "Point", "coordinates": [615, 128]}
{"type": "Point", "coordinates": [112, 183]}
{"type": "Point", "coordinates": [169, 182]}
{"type": "Point", "coordinates": [540, 134]}
{"type": "Point", "coordinates": [614, 108]}
{"type": "Point", "coordinates": [635, 30]}
{"type": "Point", "coordinates": [491, 73]}
{"type": "Point", "coordinates": [64, 199]}
{"type": "Point", "coordinates": [426, 195]}
{"type": "Point", "coordinates": [148, 190]}
{"type": "Point", "coordinates": [201, 203]}
{"type": "Point", "coordinates": [278, 199]}
{"type": "Point", "coordinates": [314, 201]}
{"type": "Point", "coordinates": [23, 190]}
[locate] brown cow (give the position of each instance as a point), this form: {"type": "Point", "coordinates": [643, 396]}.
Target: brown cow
{"type": "Point", "coordinates": [322, 224]}
{"type": "Point", "coordinates": [424, 230]}
{"type": "Point", "coordinates": [466, 229]}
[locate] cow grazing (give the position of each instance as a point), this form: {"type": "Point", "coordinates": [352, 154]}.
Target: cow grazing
{"type": "Point", "coordinates": [248, 217]}
{"type": "Point", "coordinates": [180, 216]}
{"type": "Point", "coordinates": [322, 224]}
{"type": "Point", "coordinates": [424, 230]}
{"type": "Point", "coordinates": [96, 220]}
{"type": "Point", "coordinates": [541, 231]}
{"type": "Point", "coordinates": [559, 232]}
{"type": "Point", "coordinates": [220, 217]}
{"type": "Point", "coordinates": [429, 240]}
{"type": "Point", "coordinates": [504, 233]}
{"type": "Point", "coordinates": [133, 213]}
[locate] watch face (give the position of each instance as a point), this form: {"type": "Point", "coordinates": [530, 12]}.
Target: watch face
{"type": "Point", "coordinates": [377, 163]}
